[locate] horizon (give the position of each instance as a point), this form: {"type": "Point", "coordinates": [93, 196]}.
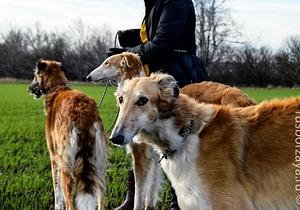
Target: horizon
{"type": "Point", "coordinates": [267, 23]}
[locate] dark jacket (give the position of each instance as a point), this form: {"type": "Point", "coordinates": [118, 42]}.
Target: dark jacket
{"type": "Point", "coordinates": [171, 46]}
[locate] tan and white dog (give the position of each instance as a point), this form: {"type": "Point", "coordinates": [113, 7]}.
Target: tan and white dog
{"type": "Point", "coordinates": [75, 139]}
{"type": "Point", "coordinates": [128, 65]}
{"type": "Point", "coordinates": [216, 157]}
{"type": "Point", "coordinates": [147, 172]}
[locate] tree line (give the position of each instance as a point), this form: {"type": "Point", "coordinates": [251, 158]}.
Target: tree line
{"type": "Point", "coordinates": [227, 57]}
{"type": "Point", "coordinates": [261, 67]}
{"type": "Point", "coordinates": [231, 59]}
{"type": "Point", "coordinates": [80, 49]}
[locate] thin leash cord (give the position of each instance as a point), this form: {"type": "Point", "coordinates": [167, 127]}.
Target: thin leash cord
{"type": "Point", "coordinates": [105, 90]}
{"type": "Point", "coordinates": [111, 82]}
{"type": "Point", "coordinates": [101, 101]}
{"type": "Point", "coordinates": [103, 95]}
{"type": "Point", "coordinates": [115, 120]}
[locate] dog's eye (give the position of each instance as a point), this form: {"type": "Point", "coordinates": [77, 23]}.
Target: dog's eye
{"type": "Point", "coordinates": [142, 101]}
{"type": "Point", "coordinates": [120, 99]}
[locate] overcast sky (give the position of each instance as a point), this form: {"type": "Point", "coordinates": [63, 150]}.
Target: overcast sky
{"type": "Point", "coordinates": [265, 22]}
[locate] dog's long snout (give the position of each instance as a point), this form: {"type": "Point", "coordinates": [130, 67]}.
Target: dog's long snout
{"type": "Point", "coordinates": [118, 139]}
{"type": "Point", "coordinates": [89, 78]}
{"type": "Point", "coordinates": [117, 136]}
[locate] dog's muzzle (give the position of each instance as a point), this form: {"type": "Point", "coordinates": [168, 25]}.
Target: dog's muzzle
{"type": "Point", "coordinates": [35, 90]}
{"type": "Point", "coordinates": [118, 140]}
{"type": "Point", "coordinates": [89, 78]}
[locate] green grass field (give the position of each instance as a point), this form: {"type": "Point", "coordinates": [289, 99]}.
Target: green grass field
{"type": "Point", "coordinates": [25, 175]}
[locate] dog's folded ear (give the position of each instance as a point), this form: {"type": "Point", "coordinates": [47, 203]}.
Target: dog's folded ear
{"type": "Point", "coordinates": [63, 68]}
{"type": "Point", "coordinates": [130, 60]}
{"type": "Point", "coordinates": [168, 86]}
{"type": "Point", "coordinates": [125, 62]}
{"type": "Point", "coordinates": [41, 65]}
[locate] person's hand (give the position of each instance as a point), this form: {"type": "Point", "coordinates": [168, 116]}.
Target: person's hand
{"type": "Point", "coordinates": [115, 50]}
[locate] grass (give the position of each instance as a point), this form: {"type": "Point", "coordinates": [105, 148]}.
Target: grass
{"type": "Point", "coordinates": [25, 177]}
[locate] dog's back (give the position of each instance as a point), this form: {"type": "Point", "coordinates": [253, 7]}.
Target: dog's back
{"type": "Point", "coordinates": [253, 155]}
{"type": "Point", "coordinates": [217, 93]}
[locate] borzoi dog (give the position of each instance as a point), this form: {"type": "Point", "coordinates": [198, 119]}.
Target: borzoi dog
{"type": "Point", "coordinates": [148, 178]}
{"type": "Point", "coordinates": [128, 65]}
{"type": "Point", "coordinates": [216, 157]}
{"type": "Point", "coordinates": [75, 139]}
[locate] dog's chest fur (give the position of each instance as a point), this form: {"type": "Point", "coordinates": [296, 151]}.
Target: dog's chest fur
{"type": "Point", "coordinates": [181, 168]}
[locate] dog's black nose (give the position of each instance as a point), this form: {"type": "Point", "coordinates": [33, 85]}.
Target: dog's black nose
{"type": "Point", "coordinates": [31, 89]}
{"type": "Point", "coordinates": [119, 140]}
{"type": "Point", "coordinates": [89, 78]}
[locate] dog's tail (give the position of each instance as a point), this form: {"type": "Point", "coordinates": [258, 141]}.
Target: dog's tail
{"type": "Point", "coordinates": [90, 167]}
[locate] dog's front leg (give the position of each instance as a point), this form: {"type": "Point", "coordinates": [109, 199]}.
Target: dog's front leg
{"type": "Point", "coordinates": [156, 185]}
{"type": "Point", "coordinates": [147, 176]}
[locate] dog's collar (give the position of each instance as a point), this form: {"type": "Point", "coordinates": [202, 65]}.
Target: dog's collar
{"type": "Point", "coordinates": [184, 132]}
{"type": "Point", "coordinates": [166, 155]}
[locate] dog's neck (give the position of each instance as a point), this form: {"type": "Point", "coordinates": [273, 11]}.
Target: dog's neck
{"type": "Point", "coordinates": [184, 132]}
{"type": "Point", "coordinates": [54, 89]}
{"type": "Point", "coordinates": [171, 132]}
{"type": "Point", "coordinates": [52, 93]}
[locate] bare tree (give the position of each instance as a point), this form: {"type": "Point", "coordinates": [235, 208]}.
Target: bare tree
{"type": "Point", "coordinates": [45, 44]}
{"type": "Point", "coordinates": [80, 51]}
{"type": "Point", "coordinates": [293, 48]}
{"type": "Point", "coordinates": [88, 48]}
{"type": "Point", "coordinates": [215, 30]}
{"type": "Point", "coordinates": [288, 62]}
{"type": "Point", "coordinates": [13, 52]}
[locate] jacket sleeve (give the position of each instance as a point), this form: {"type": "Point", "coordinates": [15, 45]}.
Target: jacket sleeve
{"type": "Point", "coordinates": [168, 32]}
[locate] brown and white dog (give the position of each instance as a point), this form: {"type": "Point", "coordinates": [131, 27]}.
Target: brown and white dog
{"type": "Point", "coordinates": [118, 67]}
{"type": "Point", "coordinates": [75, 139]}
{"type": "Point", "coordinates": [128, 65]}
{"type": "Point", "coordinates": [217, 157]}
{"type": "Point", "coordinates": [147, 172]}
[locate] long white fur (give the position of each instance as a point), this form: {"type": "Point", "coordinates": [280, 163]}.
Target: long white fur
{"type": "Point", "coordinates": [71, 150]}
{"type": "Point", "coordinates": [85, 202]}
{"type": "Point", "coordinates": [181, 167]}
{"type": "Point", "coordinates": [184, 175]}
{"type": "Point", "coordinates": [155, 183]}
{"type": "Point", "coordinates": [141, 189]}
{"type": "Point", "coordinates": [144, 190]}
{"type": "Point", "coordinates": [58, 193]}
{"type": "Point", "coordinates": [101, 155]}
{"type": "Point", "coordinates": [88, 201]}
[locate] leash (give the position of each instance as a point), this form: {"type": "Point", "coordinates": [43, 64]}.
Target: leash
{"type": "Point", "coordinates": [109, 81]}
{"type": "Point", "coordinates": [112, 125]}
{"type": "Point", "coordinates": [102, 99]}
{"type": "Point", "coordinates": [114, 83]}
{"type": "Point", "coordinates": [103, 95]}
